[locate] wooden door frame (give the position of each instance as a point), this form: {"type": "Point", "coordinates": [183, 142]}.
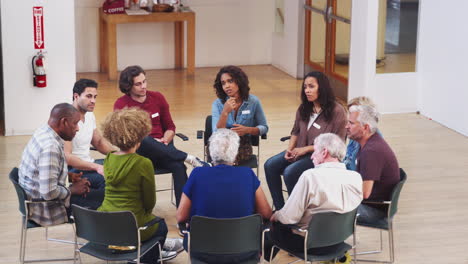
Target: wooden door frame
{"type": "Point", "coordinates": [330, 44]}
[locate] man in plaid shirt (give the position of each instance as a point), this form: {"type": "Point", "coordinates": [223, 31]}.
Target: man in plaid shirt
{"type": "Point", "coordinates": [43, 170]}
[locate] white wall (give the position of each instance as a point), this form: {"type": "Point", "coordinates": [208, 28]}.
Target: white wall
{"type": "Point", "coordinates": [441, 60]}
{"type": "Point", "coordinates": [288, 46]}
{"type": "Point", "coordinates": [227, 32]}
{"type": "Point", "coordinates": [28, 107]}
{"type": "Point", "coordinates": [393, 93]}
{"type": "Point", "coordinates": [437, 89]}
{"type": "Point", "coordinates": [363, 49]}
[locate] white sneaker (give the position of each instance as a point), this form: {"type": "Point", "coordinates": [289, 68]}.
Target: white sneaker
{"type": "Point", "coordinates": [167, 255]}
{"type": "Point", "coordinates": [196, 162]}
{"type": "Point", "coordinates": [173, 244]}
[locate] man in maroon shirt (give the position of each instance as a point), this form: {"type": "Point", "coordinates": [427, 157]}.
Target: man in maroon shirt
{"type": "Point", "coordinates": [158, 146]}
{"type": "Point", "coordinates": [376, 161]}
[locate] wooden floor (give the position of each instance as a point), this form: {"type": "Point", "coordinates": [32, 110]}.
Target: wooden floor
{"type": "Point", "coordinates": [431, 225]}
{"type": "Point", "coordinates": [393, 63]}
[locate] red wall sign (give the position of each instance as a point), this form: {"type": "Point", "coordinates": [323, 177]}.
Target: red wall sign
{"type": "Point", "coordinates": [38, 21]}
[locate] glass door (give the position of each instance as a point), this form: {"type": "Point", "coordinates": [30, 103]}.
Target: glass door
{"type": "Point", "coordinates": [327, 40]}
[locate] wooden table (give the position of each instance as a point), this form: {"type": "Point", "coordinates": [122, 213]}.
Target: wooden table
{"type": "Point", "coordinates": [108, 38]}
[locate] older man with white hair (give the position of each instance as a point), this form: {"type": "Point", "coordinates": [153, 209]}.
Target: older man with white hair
{"type": "Point", "coordinates": [376, 161]}
{"type": "Point", "coordinates": [328, 187]}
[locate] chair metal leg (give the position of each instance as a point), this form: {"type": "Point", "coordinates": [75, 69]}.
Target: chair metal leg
{"type": "Point", "coordinates": [305, 261]}
{"type": "Point", "coordinates": [160, 253]}
{"type": "Point", "coordinates": [354, 244]}
{"type": "Point", "coordinates": [381, 240]}
{"type": "Point", "coordinates": [258, 160]}
{"type": "Point", "coordinates": [305, 247]}
{"type": "Point", "coordinates": [23, 260]}
{"type": "Point", "coordinates": [77, 254]}
{"type": "Point", "coordinates": [169, 189]}
{"type": "Point", "coordinates": [391, 244]}
{"type": "Point", "coordinates": [61, 241]}
{"type": "Point", "coordinates": [23, 240]}
{"type": "Point", "coordinates": [374, 251]}
{"type": "Point", "coordinates": [58, 240]}
{"type": "Point", "coordinates": [172, 194]}
{"type": "Point", "coordinates": [271, 253]}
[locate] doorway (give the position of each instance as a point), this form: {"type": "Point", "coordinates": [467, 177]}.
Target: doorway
{"type": "Point", "coordinates": [327, 41]}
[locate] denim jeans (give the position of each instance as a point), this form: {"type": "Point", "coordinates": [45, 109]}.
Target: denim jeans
{"type": "Point", "coordinates": [277, 166]}
{"type": "Point", "coordinates": [92, 200]}
{"type": "Point", "coordinates": [152, 255]}
{"type": "Point", "coordinates": [95, 197]}
{"type": "Point", "coordinates": [166, 157]}
{"type": "Point", "coordinates": [371, 215]}
{"type": "Point", "coordinates": [351, 153]}
{"type": "Point", "coordinates": [96, 180]}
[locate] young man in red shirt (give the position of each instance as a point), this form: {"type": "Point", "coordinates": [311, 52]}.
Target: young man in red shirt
{"type": "Point", "coordinates": [158, 146]}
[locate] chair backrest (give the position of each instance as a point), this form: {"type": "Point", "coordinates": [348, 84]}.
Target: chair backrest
{"type": "Point", "coordinates": [208, 130]}
{"type": "Point", "coordinates": [225, 236]}
{"type": "Point", "coordinates": [19, 190]}
{"type": "Point", "coordinates": [106, 228]}
{"type": "Point", "coordinates": [255, 140]}
{"type": "Point", "coordinates": [330, 228]}
{"type": "Point", "coordinates": [396, 194]}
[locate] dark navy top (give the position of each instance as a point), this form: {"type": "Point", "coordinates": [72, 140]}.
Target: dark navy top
{"type": "Point", "coordinates": [222, 191]}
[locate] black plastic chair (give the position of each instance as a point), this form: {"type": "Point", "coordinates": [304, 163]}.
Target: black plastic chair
{"type": "Point", "coordinates": [159, 171]}
{"type": "Point", "coordinates": [326, 229]}
{"type": "Point", "coordinates": [230, 236]}
{"type": "Point", "coordinates": [387, 222]}
{"type": "Point", "coordinates": [102, 229]}
{"type": "Point", "coordinates": [252, 162]}
{"type": "Point", "coordinates": [26, 223]}
{"type": "Point", "coordinates": [164, 171]}
{"type": "Point", "coordinates": [283, 139]}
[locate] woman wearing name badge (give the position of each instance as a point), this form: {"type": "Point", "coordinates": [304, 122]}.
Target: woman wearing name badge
{"type": "Point", "coordinates": [237, 110]}
{"type": "Point", "coordinates": [318, 113]}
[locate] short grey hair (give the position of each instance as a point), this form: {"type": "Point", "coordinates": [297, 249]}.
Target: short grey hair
{"type": "Point", "coordinates": [367, 115]}
{"type": "Point", "coordinates": [332, 143]}
{"type": "Point", "coordinates": [224, 145]}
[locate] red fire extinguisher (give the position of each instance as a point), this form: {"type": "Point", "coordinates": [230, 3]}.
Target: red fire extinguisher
{"type": "Point", "coordinates": [38, 68]}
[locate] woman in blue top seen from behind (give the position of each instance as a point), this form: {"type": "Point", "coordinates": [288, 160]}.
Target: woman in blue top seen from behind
{"type": "Point", "coordinates": [222, 191]}
{"type": "Point", "coordinates": [237, 109]}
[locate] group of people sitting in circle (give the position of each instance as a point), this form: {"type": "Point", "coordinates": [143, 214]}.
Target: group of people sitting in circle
{"type": "Point", "coordinates": [321, 174]}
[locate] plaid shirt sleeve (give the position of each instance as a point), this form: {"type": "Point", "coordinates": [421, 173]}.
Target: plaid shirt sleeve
{"type": "Point", "coordinates": [51, 185]}
{"type": "Point", "coordinates": [43, 175]}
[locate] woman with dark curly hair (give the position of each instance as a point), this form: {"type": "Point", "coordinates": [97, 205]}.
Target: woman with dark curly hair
{"type": "Point", "coordinates": [318, 113]}
{"type": "Point", "coordinates": [236, 109]}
